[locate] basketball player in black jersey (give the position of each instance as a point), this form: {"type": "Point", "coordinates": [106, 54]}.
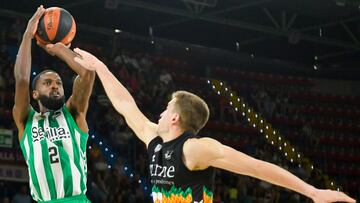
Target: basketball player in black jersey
{"type": "Point", "coordinates": [181, 163]}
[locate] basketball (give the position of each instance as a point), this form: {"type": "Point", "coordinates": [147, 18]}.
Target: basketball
{"type": "Point", "coordinates": [56, 25]}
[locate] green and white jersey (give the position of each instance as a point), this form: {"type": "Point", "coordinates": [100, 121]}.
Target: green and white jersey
{"type": "Point", "coordinates": [55, 152]}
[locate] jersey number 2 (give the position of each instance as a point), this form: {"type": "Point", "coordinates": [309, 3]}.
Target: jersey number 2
{"type": "Point", "coordinates": [54, 158]}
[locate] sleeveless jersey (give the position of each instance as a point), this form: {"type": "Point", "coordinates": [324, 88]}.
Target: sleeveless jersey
{"type": "Point", "coordinates": [171, 180]}
{"type": "Point", "coordinates": [55, 152]}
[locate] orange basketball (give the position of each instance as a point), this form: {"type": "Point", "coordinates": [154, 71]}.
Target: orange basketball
{"type": "Point", "coordinates": [56, 25]}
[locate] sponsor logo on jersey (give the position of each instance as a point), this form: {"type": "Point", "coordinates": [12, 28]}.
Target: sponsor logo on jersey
{"type": "Point", "coordinates": [158, 148]}
{"type": "Point", "coordinates": [168, 154]}
{"type": "Point", "coordinates": [162, 171]}
{"type": "Point", "coordinates": [52, 134]}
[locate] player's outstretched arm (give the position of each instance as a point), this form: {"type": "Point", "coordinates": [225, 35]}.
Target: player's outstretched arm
{"type": "Point", "coordinates": [22, 71]}
{"type": "Point", "coordinates": [205, 152]}
{"type": "Point", "coordinates": [120, 97]}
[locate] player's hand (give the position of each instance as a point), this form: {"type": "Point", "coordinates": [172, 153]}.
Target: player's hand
{"type": "Point", "coordinates": [87, 60]}
{"type": "Point", "coordinates": [327, 196]}
{"type": "Point", "coordinates": [33, 22]}
{"type": "Point", "coordinates": [53, 48]}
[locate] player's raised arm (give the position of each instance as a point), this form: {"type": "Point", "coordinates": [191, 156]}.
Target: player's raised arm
{"type": "Point", "coordinates": [79, 100]}
{"type": "Point", "coordinates": [22, 71]}
{"type": "Point", "coordinates": [120, 97]}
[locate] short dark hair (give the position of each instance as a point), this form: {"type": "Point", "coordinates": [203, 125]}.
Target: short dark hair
{"type": "Point", "coordinates": [34, 82]}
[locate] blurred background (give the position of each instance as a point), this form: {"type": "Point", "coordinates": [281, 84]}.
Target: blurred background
{"type": "Point", "coordinates": [281, 79]}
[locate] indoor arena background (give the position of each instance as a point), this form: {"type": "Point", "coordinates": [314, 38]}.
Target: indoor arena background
{"type": "Point", "coordinates": [281, 79]}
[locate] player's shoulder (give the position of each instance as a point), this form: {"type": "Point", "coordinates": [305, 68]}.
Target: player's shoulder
{"type": "Point", "coordinates": [197, 145]}
{"type": "Point", "coordinates": [198, 152]}
{"type": "Point", "coordinates": [204, 146]}
{"type": "Point", "coordinates": [150, 132]}
{"type": "Point", "coordinates": [200, 141]}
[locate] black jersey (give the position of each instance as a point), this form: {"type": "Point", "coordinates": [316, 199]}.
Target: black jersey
{"type": "Point", "coordinates": [171, 180]}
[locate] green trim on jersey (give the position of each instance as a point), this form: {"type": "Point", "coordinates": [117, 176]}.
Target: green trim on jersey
{"type": "Point", "coordinates": [77, 152]}
{"type": "Point", "coordinates": [46, 160]}
{"type": "Point", "coordinates": [26, 140]}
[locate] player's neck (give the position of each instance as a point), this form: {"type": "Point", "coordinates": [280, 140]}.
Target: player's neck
{"type": "Point", "coordinates": [172, 134]}
{"type": "Point", "coordinates": [43, 109]}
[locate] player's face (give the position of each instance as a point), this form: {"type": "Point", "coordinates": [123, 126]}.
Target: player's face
{"type": "Point", "coordinates": [49, 91]}
{"type": "Point", "coordinates": [166, 118]}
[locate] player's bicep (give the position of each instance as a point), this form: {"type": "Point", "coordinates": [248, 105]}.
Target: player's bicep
{"type": "Point", "coordinates": [207, 152]}
{"type": "Point", "coordinates": [235, 161]}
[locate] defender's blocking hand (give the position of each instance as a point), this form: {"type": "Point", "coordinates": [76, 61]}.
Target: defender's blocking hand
{"type": "Point", "coordinates": [87, 60]}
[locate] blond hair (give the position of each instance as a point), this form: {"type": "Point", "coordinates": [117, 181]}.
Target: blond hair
{"type": "Point", "coordinates": [193, 111]}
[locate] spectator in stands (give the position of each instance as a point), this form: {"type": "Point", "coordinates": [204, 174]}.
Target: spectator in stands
{"type": "Point", "coordinates": [2, 79]}
{"type": "Point", "coordinates": [4, 191]}
{"type": "Point", "coordinates": [165, 78]}
{"type": "Point", "coordinates": [16, 30]}
{"type": "Point", "coordinates": [22, 196]}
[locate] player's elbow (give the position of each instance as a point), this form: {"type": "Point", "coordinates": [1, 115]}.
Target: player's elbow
{"type": "Point", "coordinates": [90, 73]}
{"type": "Point", "coordinates": [87, 75]}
